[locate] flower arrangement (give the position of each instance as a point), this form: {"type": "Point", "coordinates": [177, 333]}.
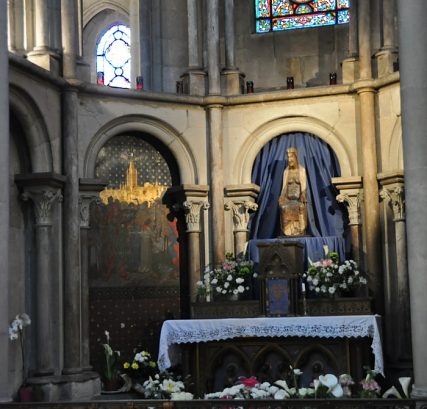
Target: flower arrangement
{"type": "Point", "coordinates": [232, 277]}
{"type": "Point", "coordinates": [328, 275]}
{"type": "Point", "coordinates": [111, 374]}
{"type": "Point", "coordinates": [16, 331]}
{"type": "Point", "coordinates": [165, 386]}
{"type": "Point", "coordinates": [140, 368]}
{"type": "Point", "coordinates": [370, 387]}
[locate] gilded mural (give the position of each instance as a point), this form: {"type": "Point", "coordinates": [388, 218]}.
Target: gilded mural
{"type": "Point", "coordinates": [132, 242]}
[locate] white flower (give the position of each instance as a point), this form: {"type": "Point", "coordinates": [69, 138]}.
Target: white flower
{"type": "Point", "coordinates": [13, 334]}
{"type": "Point", "coordinates": [122, 325]}
{"type": "Point", "coordinates": [297, 371]}
{"type": "Point", "coordinates": [214, 281]}
{"type": "Point", "coordinates": [107, 334]}
{"type": "Point", "coordinates": [235, 291]}
{"type": "Point", "coordinates": [281, 394]}
{"type": "Point", "coordinates": [302, 392]}
{"type": "Point", "coordinates": [224, 291]}
{"type": "Point", "coordinates": [315, 281]}
{"type": "Point", "coordinates": [317, 289]}
{"type": "Point", "coordinates": [181, 396]}
{"type": "Point", "coordinates": [226, 284]}
{"type": "Point", "coordinates": [240, 289]}
{"type": "Point", "coordinates": [255, 275]}
{"type": "Point", "coordinates": [199, 284]}
{"type": "Point", "coordinates": [331, 290]}
{"type": "Point", "coordinates": [229, 277]}
{"type": "Point", "coordinates": [239, 280]}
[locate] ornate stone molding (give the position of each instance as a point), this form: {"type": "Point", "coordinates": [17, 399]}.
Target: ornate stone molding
{"type": "Point", "coordinates": [241, 211]}
{"type": "Point", "coordinates": [89, 193]}
{"type": "Point", "coordinates": [192, 214]}
{"type": "Point", "coordinates": [42, 200]}
{"type": "Point", "coordinates": [353, 201]}
{"type": "Point", "coordinates": [396, 200]}
{"type": "Point", "coordinates": [84, 208]}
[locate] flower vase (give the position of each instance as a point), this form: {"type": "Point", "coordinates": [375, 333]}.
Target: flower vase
{"type": "Point", "coordinates": [25, 394]}
{"type": "Point", "coordinates": [232, 297]}
{"type": "Point", "coordinates": [111, 385]}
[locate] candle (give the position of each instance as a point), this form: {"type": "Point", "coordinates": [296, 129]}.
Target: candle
{"type": "Point", "coordinates": [303, 287]}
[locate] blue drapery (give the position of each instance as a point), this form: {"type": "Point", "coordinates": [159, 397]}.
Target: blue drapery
{"type": "Point", "coordinates": [326, 217]}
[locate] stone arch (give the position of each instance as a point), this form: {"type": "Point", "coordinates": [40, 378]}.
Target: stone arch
{"type": "Point", "coordinates": [98, 6]}
{"type": "Point", "coordinates": [268, 131]}
{"type": "Point", "coordinates": [36, 133]}
{"type": "Point", "coordinates": [395, 149]}
{"type": "Point", "coordinates": [160, 130]}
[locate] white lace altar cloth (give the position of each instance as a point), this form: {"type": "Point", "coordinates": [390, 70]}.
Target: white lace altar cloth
{"type": "Point", "coordinates": [176, 332]}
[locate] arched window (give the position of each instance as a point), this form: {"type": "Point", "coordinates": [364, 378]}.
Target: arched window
{"type": "Point", "coordinates": [278, 15]}
{"type": "Point", "coordinates": [113, 57]}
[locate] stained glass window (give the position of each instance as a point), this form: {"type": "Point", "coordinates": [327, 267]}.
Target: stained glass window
{"type": "Point", "coordinates": [113, 56]}
{"type": "Point", "coordinates": [278, 15]}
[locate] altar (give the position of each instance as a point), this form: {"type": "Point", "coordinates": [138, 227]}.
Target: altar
{"type": "Point", "coordinates": [217, 351]}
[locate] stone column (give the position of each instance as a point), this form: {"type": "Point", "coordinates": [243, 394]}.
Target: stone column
{"type": "Point", "coordinates": [369, 158]}
{"type": "Point", "coordinates": [69, 20]}
{"type": "Point", "coordinates": [16, 26]}
{"type": "Point", "coordinates": [43, 198]}
{"type": "Point", "coordinates": [194, 80]}
{"type": "Point", "coordinates": [43, 54]}
{"type": "Point", "coordinates": [72, 274]}
{"type": "Point", "coordinates": [192, 218]}
{"type": "Point", "coordinates": [135, 46]}
{"type": "Point", "coordinates": [240, 211]}
{"type": "Point", "coordinates": [5, 393]}
{"type": "Point", "coordinates": [350, 189]}
{"type": "Point", "coordinates": [413, 66]}
{"type": "Point", "coordinates": [388, 56]}
{"type": "Point", "coordinates": [231, 79]}
{"type": "Point", "coordinates": [400, 319]}
{"type": "Point", "coordinates": [241, 201]}
{"type": "Point", "coordinates": [145, 61]}
{"type": "Point", "coordinates": [214, 117]}
{"type": "Point", "coordinates": [212, 33]}
{"type": "Point", "coordinates": [350, 65]}
{"type": "Point", "coordinates": [89, 193]}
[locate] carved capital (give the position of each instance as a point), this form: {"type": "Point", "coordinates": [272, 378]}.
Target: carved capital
{"type": "Point", "coordinates": [353, 201]}
{"type": "Point", "coordinates": [396, 200]}
{"type": "Point", "coordinates": [192, 214]}
{"type": "Point", "coordinates": [241, 213]}
{"type": "Point", "coordinates": [85, 200]}
{"type": "Point", "coordinates": [42, 200]}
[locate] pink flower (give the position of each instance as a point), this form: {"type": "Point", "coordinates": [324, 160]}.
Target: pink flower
{"type": "Point", "coordinates": [249, 382]}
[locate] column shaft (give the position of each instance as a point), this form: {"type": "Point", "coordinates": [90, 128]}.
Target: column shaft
{"type": "Point", "coordinates": [370, 192]}
{"type": "Point", "coordinates": [217, 182]}
{"type": "Point", "coordinates": [240, 239]}
{"type": "Point", "coordinates": [72, 278]}
{"type": "Point", "coordinates": [135, 46]}
{"type": "Point", "coordinates": [193, 262]}
{"type": "Point", "coordinates": [213, 47]}
{"type": "Point", "coordinates": [229, 34]}
{"type": "Point", "coordinates": [413, 66]}
{"type": "Point", "coordinates": [146, 43]}
{"type": "Point", "coordinates": [352, 32]}
{"type": "Point", "coordinates": [364, 31]}
{"type": "Point", "coordinates": [4, 205]}
{"type": "Point", "coordinates": [44, 334]}
{"type": "Point", "coordinates": [389, 38]}
{"type": "Point", "coordinates": [193, 35]}
{"type": "Point", "coordinates": [69, 20]}
{"type": "Point", "coordinates": [85, 298]}
{"type": "Point", "coordinates": [41, 25]}
{"type": "Point", "coordinates": [403, 311]}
